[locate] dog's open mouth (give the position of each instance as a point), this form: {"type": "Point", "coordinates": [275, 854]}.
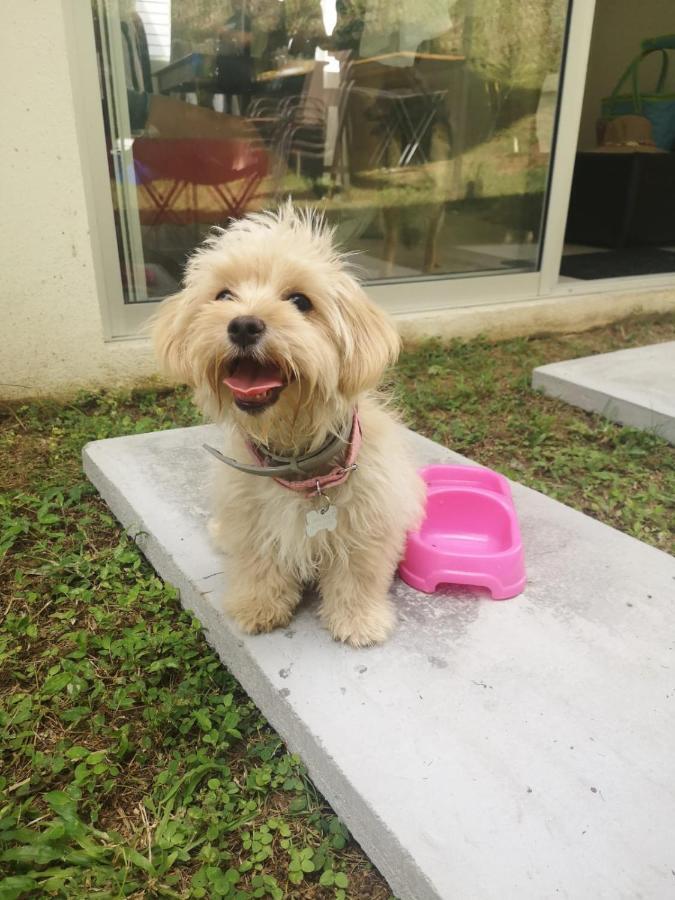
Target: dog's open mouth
{"type": "Point", "coordinates": [255, 386]}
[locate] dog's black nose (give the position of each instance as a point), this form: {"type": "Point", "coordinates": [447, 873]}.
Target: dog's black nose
{"type": "Point", "coordinates": [245, 330]}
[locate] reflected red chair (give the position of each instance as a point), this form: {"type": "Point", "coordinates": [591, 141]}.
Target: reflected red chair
{"type": "Point", "coordinates": [231, 169]}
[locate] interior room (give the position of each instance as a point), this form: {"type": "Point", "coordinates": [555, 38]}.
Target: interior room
{"type": "Point", "coordinates": [620, 222]}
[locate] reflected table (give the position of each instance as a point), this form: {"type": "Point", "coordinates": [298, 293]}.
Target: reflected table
{"type": "Point", "coordinates": [413, 88]}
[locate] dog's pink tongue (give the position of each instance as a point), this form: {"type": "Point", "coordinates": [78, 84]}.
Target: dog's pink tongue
{"type": "Point", "coordinates": [251, 378]}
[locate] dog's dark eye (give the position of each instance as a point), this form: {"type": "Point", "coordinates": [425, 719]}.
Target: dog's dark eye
{"type": "Point", "coordinates": [225, 295]}
{"type": "Point", "coordinates": [304, 304]}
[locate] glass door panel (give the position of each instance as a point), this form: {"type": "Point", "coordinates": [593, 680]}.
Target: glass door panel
{"type": "Point", "coordinates": [422, 129]}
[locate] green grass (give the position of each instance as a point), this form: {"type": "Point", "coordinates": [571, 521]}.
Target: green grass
{"type": "Point", "coordinates": [133, 765]}
{"type": "Point", "coordinates": [475, 397]}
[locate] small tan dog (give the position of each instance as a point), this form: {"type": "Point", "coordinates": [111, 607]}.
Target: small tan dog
{"type": "Point", "coordinates": [283, 347]}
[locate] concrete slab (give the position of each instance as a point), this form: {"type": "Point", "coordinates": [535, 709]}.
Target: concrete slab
{"type": "Point", "coordinates": [522, 748]}
{"type": "Point", "coordinates": [634, 387]}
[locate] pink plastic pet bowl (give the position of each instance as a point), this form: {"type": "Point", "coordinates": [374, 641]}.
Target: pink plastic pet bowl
{"type": "Point", "coordinates": [469, 535]}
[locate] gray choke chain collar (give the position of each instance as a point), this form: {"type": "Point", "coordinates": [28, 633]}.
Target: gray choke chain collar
{"type": "Point", "coordinates": [290, 466]}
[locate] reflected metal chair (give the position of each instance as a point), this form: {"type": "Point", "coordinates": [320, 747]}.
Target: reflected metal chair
{"type": "Point", "coordinates": [170, 170]}
{"type": "Point", "coordinates": [303, 133]}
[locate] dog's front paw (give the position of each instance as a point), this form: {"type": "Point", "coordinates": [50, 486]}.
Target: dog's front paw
{"type": "Point", "coordinates": [365, 627]}
{"type": "Point", "coordinates": [256, 617]}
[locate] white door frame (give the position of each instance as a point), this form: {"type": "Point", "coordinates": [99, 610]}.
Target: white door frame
{"type": "Point", "coordinates": [131, 241]}
{"type": "Point", "coordinates": [566, 137]}
{"type": "Point", "coordinates": [120, 320]}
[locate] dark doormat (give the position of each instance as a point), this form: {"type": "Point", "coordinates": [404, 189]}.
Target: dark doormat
{"type": "Point", "coordinates": [618, 263]}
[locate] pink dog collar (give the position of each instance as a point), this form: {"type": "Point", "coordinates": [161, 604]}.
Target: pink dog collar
{"type": "Point", "coordinates": [337, 475]}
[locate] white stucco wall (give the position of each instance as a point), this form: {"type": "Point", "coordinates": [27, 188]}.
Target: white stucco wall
{"type": "Point", "coordinates": [52, 335]}
{"type": "Point", "coordinates": [50, 314]}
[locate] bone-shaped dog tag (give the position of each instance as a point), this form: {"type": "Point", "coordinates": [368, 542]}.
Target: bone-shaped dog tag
{"type": "Point", "coordinates": [321, 520]}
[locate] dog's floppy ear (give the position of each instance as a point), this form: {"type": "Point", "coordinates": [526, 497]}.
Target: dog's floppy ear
{"type": "Point", "coordinates": [168, 329]}
{"type": "Point", "coordinates": [370, 342]}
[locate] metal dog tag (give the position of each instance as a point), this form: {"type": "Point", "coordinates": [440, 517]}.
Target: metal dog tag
{"type": "Point", "coordinates": [324, 519]}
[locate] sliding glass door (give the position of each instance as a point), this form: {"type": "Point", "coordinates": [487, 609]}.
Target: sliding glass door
{"type": "Point", "coordinates": [422, 129]}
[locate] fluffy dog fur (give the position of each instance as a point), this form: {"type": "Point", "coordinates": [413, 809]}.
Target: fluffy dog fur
{"type": "Point", "coordinates": [332, 357]}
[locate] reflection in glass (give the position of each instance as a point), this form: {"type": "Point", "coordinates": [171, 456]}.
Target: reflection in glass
{"type": "Point", "coordinates": [422, 128]}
